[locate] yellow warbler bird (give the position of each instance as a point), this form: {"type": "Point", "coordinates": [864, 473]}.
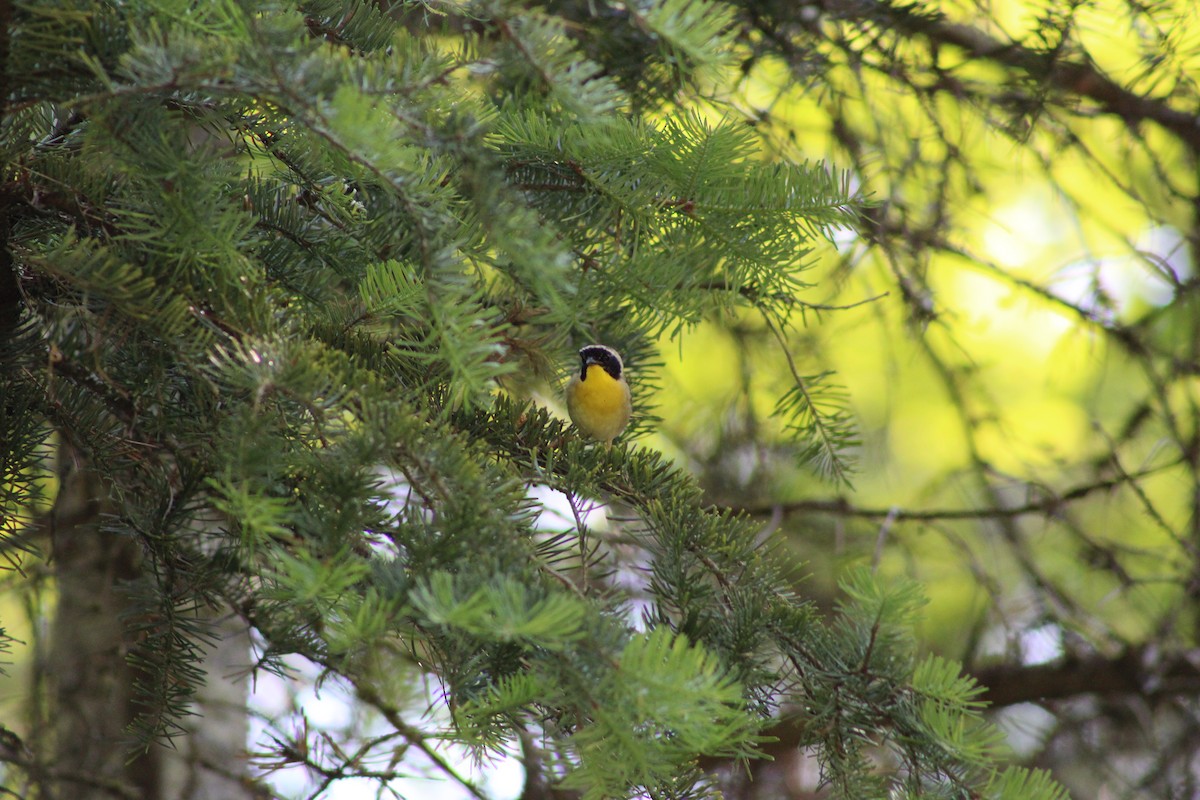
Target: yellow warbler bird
{"type": "Point", "coordinates": [598, 397]}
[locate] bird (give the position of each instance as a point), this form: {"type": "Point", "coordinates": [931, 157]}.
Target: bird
{"type": "Point", "coordinates": [598, 398]}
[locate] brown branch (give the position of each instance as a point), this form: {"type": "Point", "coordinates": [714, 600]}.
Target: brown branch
{"type": "Point", "coordinates": [1052, 504]}
{"type": "Point", "coordinates": [1062, 76]}
{"type": "Point", "coordinates": [1068, 77]}
{"type": "Point", "coordinates": [1134, 672]}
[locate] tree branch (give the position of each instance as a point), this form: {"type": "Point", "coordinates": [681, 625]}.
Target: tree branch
{"type": "Point", "coordinates": [1068, 77]}
{"type": "Point", "coordinates": [1052, 504]}
{"type": "Point", "coordinates": [1134, 672]}
{"type": "Point", "coordinates": [1047, 67]}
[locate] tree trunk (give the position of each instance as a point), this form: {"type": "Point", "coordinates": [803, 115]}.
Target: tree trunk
{"type": "Point", "coordinates": [92, 693]}
{"type": "Point", "coordinates": [91, 681]}
{"type": "Point", "coordinates": [210, 762]}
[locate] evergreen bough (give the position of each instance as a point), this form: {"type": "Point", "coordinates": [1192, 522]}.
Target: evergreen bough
{"type": "Point", "coordinates": [284, 277]}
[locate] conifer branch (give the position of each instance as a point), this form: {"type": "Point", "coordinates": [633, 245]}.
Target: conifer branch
{"type": "Point", "coordinates": [1053, 504]}
{"type": "Point", "coordinates": [1068, 78]}
{"type": "Point", "coordinates": [830, 433]}
{"type": "Point", "coordinates": [1133, 672]}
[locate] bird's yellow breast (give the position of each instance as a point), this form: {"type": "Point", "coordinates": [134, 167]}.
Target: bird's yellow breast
{"type": "Point", "coordinates": [599, 393]}
{"type": "Point", "coordinates": [599, 404]}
